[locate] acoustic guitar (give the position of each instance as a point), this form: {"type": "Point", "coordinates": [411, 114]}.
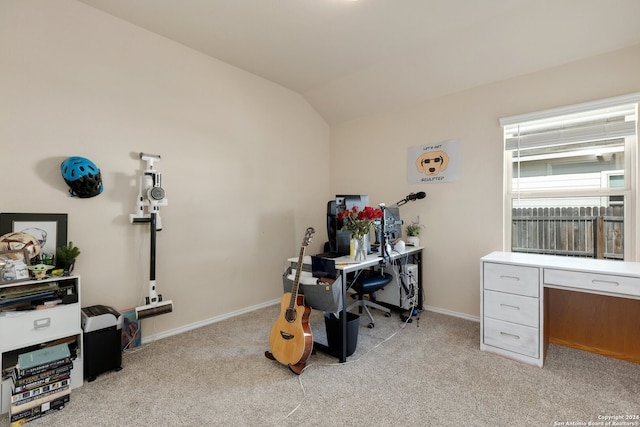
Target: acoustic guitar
{"type": "Point", "coordinates": [291, 339]}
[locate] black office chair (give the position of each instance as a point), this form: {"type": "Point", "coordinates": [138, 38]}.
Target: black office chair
{"type": "Point", "coordinates": [369, 284]}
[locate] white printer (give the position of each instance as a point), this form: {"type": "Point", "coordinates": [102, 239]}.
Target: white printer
{"type": "Point", "coordinates": [102, 338]}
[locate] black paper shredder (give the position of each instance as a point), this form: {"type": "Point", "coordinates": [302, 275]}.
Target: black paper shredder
{"type": "Point", "coordinates": [102, 327]}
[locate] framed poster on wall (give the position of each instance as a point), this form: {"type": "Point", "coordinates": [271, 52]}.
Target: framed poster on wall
{"type": "Point", "coordinates": [434, 163]}
{"type": "Point", "coordinates": [50, 229]}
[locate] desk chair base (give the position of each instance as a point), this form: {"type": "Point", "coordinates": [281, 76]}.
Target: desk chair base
{"type": "Point", "coordinates": [368, 285]}
{"type": "Point", "coordinates": [365, 304]}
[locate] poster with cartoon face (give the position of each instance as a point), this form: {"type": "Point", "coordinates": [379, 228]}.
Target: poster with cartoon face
{"type": "Point", "coordinates": [433, 163]}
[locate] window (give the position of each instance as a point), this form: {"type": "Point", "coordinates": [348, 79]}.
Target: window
{"type": "Point", "coordinates": [570, 186]}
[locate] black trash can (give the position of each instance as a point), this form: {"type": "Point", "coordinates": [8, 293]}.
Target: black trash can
{"type": "Point", "coordinates": [333, 326]}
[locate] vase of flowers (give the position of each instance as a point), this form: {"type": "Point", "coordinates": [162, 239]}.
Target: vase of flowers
{"type": "Point", "coordinates": [359, 222]}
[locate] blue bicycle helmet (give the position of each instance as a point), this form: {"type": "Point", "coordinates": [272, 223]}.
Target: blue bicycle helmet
{"type": "Point", "coordinates": [82, 176]}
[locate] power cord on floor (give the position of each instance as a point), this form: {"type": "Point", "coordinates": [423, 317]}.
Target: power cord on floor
{"type": "Point", "coordinates": [304, 396]}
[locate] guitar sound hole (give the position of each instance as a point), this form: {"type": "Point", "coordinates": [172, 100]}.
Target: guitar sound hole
{"type": "Point", "coordinates": [290, 315]}
{"type": "Point", "coordinates": [286, 336]}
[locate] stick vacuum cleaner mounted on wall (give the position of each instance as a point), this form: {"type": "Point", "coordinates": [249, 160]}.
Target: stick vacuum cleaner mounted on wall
{"type": "Point", "coordinates": [150, 197]}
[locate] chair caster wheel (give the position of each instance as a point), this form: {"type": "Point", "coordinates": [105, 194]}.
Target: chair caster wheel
{"type": "Point", "coordinates": [370, 325]}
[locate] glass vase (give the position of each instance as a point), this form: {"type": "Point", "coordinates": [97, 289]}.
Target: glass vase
{"type": "Point", "coordinates": [359, 248]}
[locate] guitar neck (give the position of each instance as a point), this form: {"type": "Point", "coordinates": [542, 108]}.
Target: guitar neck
{"type": "Point", "coordinates": [296, 283]}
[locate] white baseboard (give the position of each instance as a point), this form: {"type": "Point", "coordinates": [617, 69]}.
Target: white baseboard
{"type": "Point", "coordinates": [196, 325]}
{"type": "Point", "coordinates": [452, 313]}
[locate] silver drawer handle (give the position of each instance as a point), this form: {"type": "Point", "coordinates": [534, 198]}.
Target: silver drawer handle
{"type": "Point", "coordinates": [605, 282]}
{"type": "Point", "coordinates": [505, 334]}
{"type": "Point", "coordinates": [42, 323]}
{"type": "Point", "coordinates": [516, 278]}
{"type": "Point", "coordinates": [513, 307]}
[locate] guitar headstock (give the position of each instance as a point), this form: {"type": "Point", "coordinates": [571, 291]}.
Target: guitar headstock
{"type": "Point", "coordinates": [308, 236]}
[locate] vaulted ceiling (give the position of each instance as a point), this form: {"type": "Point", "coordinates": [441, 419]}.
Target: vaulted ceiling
{"type": "Point", "coordinates": [352, 58]}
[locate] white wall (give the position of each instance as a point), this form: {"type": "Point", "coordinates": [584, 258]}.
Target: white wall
{"type": "Point", "coordinates": [463, 219]}
{"type": "Point", "coordinates": [236, 161]}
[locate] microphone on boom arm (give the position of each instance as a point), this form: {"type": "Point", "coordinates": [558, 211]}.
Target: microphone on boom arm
{"type": "Point", "coordinates": [411, 197]}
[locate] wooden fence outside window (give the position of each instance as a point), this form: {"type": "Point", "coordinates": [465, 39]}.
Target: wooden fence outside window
{"type": "Point", "coordinates": [590, 232]}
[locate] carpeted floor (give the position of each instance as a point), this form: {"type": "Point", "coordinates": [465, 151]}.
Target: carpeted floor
{"type": "Point", "coordinates": [430, 373]}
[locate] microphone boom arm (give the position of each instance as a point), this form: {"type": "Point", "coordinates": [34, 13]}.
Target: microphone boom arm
{"type": "Point", "coordinates": [411, 197]}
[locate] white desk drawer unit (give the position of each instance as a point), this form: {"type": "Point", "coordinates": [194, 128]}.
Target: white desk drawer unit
{"type": "Point", "coordinates": [511, 337]}
{"type": "Point", "coordinates": [599, 283]}
{"type": "Point", "coordinates": [512, 306]}
{"type": "Point", "coordinates": [512, 279]}
{"type": "Point", "coordinates": [33, 327]}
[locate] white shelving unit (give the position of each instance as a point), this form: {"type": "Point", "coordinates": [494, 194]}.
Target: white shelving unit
{"type": "Point", "coordinates": [25, 329]}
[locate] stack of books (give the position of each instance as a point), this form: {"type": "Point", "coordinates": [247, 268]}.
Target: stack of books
{"type": "Point", "coordinates": [41, 383]}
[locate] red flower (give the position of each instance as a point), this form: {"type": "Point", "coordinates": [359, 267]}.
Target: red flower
{"type": "Point", "coordinates": [359, 221]}
{"type": "Point", "coordinates": [370, 213]}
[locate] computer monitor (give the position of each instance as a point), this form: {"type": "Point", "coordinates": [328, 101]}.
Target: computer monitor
{"type": "Point", "coordinates": [339, 239]}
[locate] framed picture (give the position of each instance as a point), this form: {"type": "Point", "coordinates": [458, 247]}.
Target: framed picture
{"type": "Point", "coordinates": [49, 229]}
{"type": "Point", "coordinates": [13, 266]}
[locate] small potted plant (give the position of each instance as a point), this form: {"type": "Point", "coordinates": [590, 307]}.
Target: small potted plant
{"type": "Point", "coordinates": [66, 257]}
{"type": "Point", "coordinates": [413, 231]}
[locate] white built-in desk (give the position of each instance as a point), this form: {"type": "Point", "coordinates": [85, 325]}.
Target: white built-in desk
{"type": "Point", "coordinates": [528, 301]}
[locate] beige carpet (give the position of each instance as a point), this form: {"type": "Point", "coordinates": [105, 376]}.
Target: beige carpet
{"type": "Point", "coordinates": [428, 375]}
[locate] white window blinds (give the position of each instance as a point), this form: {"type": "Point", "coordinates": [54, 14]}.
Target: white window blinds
{"type": "Point", "coordinates": [595, 121]}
